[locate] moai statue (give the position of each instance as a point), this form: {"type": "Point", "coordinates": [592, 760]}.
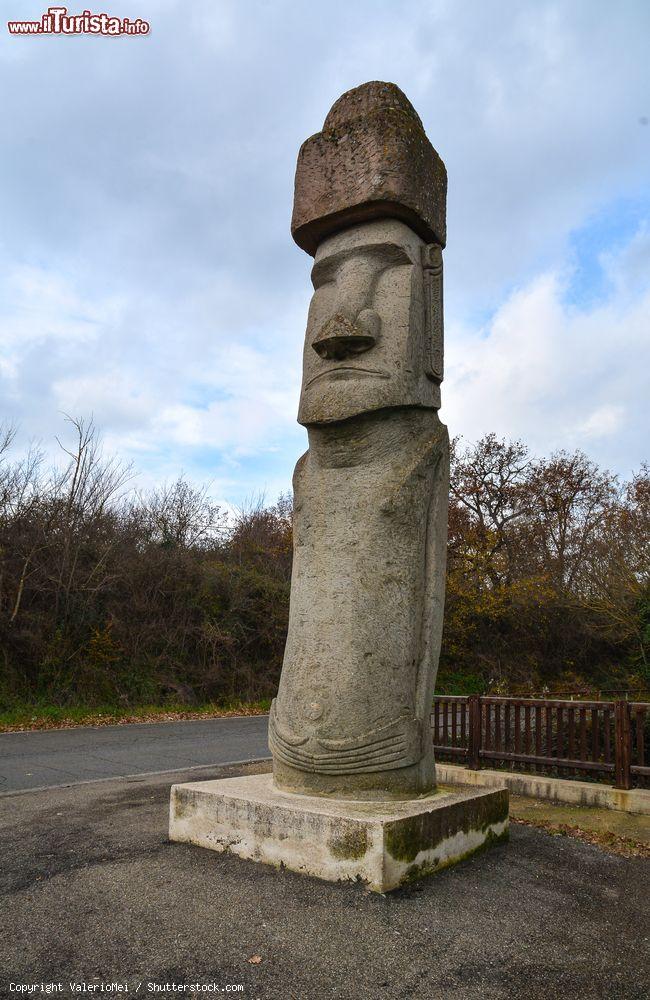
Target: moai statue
{"type": "Point", "coordinates": [351, 719]}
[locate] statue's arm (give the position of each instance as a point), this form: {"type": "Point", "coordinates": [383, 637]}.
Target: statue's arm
{"type": "Point", "coordinates": [434, 577]}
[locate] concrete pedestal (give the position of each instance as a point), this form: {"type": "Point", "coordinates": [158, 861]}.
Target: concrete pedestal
{"type": "Point", "coordinates": [384, 844]}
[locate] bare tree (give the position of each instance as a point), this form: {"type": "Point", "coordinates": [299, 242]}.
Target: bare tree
{"type": "Point", "coordinates": [572, 497]}
{"type": "Point", "coordinates": [489, 480]}
{"type": "Point", "coordinates": [183, 515]}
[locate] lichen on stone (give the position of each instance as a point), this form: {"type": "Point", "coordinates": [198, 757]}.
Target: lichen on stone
{"type": "Point", "coordinates": [350, 845]}
{"type": "Point", "coordinates": [406, 838]}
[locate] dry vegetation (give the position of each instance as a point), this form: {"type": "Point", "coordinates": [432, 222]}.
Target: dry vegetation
{"type": "Point", "coordinates": [114, 598]}
{"type": "Point", "coordinates": [625, 847]}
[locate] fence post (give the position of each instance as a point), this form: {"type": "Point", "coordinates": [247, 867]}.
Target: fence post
{"type": "Point", "coordinates": [622, 744]}
{"type": "Point", "coordinates": [474, 742]}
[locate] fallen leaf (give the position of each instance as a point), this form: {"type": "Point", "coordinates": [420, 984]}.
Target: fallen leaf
{"type": "Point", "coordinates": [255, 959]}
{"type": "Point", "coordinates": [626, 847]}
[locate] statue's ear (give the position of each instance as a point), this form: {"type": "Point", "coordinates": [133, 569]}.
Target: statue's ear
{"type": "Point", "coordinates": [434, 327]}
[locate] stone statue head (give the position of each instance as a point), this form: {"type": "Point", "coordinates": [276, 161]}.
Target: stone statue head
{"type": "Point", "coordinates": [371, 331]}
{"type": "Point", "coordinates": [369, 205]}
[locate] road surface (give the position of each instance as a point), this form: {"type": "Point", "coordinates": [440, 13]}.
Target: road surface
{"type": "Point", "coordinates": [92, 891]}
{"type": "Point", "coordinates": [67, 756]}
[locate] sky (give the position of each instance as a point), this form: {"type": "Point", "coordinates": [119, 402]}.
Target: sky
{"type": "Point", "coordinates": [147, 273]}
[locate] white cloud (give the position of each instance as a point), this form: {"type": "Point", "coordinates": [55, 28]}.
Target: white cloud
{"type": "Point", "coordinates": [44, 308]}
{"type": "Point", "coordinates": [113, 397]}
{"type": "Point", "coordinates": [603, 422]}
{"type": "Point", "coordinates": [556, 376]}
{"type": "Point", "coordinates": [147, 273]}
{"type": "Point", "coordinates": [629, 268]}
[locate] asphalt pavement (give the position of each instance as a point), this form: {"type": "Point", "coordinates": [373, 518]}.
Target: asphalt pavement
{"type": "Point", "coordinates": [66, 756]}
{"type": "Point", "coordinates": [93, 893]}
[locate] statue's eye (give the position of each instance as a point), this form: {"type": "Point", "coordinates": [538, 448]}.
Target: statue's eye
{"type": "Point", "coordinates": [323, 273]}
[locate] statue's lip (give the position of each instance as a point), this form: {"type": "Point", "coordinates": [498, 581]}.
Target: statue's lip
{"type": "Point", "coordinates": [346, 371]}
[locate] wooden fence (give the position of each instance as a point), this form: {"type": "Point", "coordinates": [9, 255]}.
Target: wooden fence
{"type": "Point", "coordinates": [608, 740]}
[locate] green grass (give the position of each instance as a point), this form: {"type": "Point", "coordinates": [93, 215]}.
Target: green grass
{"type": "Point", "coordinates": [43, 716]}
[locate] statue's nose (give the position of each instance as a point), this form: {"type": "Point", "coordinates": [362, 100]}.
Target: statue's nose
{"type": "Point", "coordinates": [340, 338]}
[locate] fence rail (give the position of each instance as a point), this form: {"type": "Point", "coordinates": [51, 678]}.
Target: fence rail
{"type": "Point", "coordinates": [606, 739]}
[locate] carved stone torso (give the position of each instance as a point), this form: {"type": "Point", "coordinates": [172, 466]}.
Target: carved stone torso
{"type": "Point", "coordinates": [365, 617]}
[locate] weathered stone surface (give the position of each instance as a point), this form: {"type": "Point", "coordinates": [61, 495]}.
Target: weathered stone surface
{"type": "Point", "coordinates": [351, 719]}
{"type": "Point", "coordinates": [370, 518]}
{"type": "Point", "coordinates": [635, 801]}
{"type": "Point", "coordinates": [384, 844]}
{"type": "Point", "coordinates": [372, 160]}
{"type": "Point", "coordinates": [373, 321]}
{"type": "Point", "coordinates": [352, 714]}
